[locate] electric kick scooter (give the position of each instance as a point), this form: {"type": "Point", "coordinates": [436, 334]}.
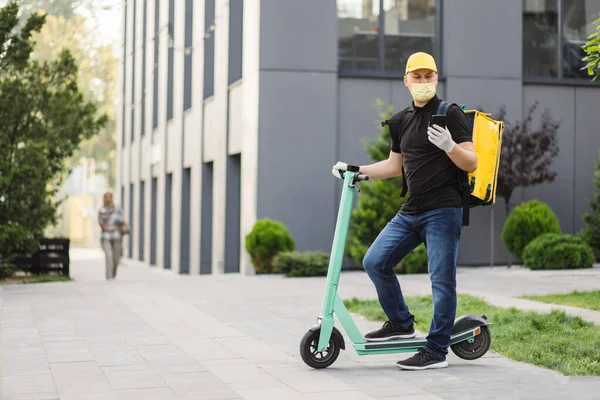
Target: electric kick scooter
{"type": "Point", "coordinates": [321, 345]}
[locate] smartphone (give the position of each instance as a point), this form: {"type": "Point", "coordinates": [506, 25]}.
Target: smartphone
{"type": "Point", "coordinates": [438, 120]}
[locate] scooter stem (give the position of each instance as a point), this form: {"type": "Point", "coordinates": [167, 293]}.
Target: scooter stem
{"type": "Point", "coordinates": [336, 259]}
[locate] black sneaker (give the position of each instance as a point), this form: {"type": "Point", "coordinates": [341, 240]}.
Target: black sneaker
{"type": "Point", "coordinates": [389, 331]}
{"type": "Point", "coordinates": [423, 360]}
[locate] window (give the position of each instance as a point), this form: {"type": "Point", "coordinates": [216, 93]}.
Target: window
{"type": "Point", "coordinates": [142, 227]}
{"type": "Point", "coordinates": [123, 102]}
{"type": "Point", "coordinates": [209, 48]}
{"type": "Point", "coordinates": [122, 205]}
{"type": "Point", "coordinates": [131, 202]}
{"type": "Point", "coordinates": [184, 236]}
{"type": "Point", "coordinates": [170, 60]}
{"type": "Point", "coordinates": [187, 63]}
{"type": "Point", "coordinates": [144, 33]}
{"type": "Point", "coordinates": [376, 37]}
{"type": "Point", "coordinates": [553, 33]}
{"type": "Point", "coordinates": [153, 220]}
{"type": "Point", "coordinates": [236, 23]}
{"type": "Point", "coordinates": [168, 222]}
{"type": "Point", "coordinates": [132, 120]}
{"type": "Point", "coordinates": [155, 77]}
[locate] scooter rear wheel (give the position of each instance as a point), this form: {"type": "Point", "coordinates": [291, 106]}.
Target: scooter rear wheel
{"type": "Point", "coordinates": [475, 349]}
{"type": "Point", "coordinates": [314, 358]}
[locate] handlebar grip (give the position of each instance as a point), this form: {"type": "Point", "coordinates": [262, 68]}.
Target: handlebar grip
{"type": "Point", "coordinates": [361, 177]}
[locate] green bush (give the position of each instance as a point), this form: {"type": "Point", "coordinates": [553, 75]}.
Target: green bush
{"type": "Point", "coordinates": [414, 263]}
{"type": "Point", "coordinates": [378, 200]}
{"type": "Point", "coordinates": [558, 251]}
{"type": "Point", "coordinates": [591, 232]}
{"type": "Point", "coordinates": [526, 222]}
{"type": "Point", "coordinates": [6, 270]}
{"type": "Point", "coordinates": [294, 264]}
{"type": "Point", "coordinates": [266, 239]}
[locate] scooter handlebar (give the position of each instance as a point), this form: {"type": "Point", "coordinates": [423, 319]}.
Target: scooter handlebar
{"type": "Point", "coordinates": [361, 177]}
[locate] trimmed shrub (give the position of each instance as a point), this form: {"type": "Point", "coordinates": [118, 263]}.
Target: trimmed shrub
{"type": "Point", "coordinates": [558, 251]}
{"type": "Point", "coordinates": [526, 222]}
{"type": "Point", "coordinates": [266, 239]}
{"type": "Point", "coordinates": [414, 263]}
{"type": "Point", "coordinates": [294, 264]}
{"type": "Point", "coordinates": [591, 232]}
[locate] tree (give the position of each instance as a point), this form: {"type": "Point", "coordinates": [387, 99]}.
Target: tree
{"type": "Point", "coordinates": [97, 78]}
{"type": "Point", "coordinates": [63, 8]}
{"type": "Point", "coordinates": [591, 232]}
{"type": "Point", "coordinates": [43, 119]}
{"type": "Point", "coordinates": [379, 200]}
{"type": "Point", "coordinates": [592, 50]}
{"type": "Point", "coordinates": [526, 154]}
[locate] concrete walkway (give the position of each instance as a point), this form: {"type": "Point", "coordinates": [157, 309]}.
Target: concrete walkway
{"type": "Point", "coordinates": [153, 335]}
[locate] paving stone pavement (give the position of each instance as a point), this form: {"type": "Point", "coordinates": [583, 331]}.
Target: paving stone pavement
{"type": "Point", "coordinates": [153, 335]}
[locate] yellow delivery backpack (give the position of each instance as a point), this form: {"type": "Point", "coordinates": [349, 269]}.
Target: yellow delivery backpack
{"type": "Point", "coordinates": [479, 187]}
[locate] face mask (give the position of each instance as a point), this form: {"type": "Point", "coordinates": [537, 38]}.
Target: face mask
{"type": "Point", "coordinates": [422, 91]}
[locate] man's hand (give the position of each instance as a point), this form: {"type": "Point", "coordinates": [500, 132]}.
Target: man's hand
{"type": "Point", "coordinates": [339, 169]}
{"type": "Point", "coordinates": [441, 137]}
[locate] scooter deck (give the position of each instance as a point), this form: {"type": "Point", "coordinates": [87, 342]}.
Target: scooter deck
{"type": "Point", "coordinates": [407, 345]}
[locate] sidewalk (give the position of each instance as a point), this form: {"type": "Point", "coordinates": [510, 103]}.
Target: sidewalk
{"type": "Point", "coordinates": [154, 335]}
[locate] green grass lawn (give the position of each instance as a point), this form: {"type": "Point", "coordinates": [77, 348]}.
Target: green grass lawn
{"type": "Point", "coordinates": [555, 340]}
{"type": "Point", "coordinates": [589, 300]}
{"type": "Point", "coordinates": [46, 278]}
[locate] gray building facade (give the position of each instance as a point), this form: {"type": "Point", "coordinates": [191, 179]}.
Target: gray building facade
{"type": "Point", "coordinates": [235, 110]}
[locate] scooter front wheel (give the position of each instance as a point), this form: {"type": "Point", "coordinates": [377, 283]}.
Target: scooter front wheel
{"type": "Point", "coordinates": [479, 345]}
{"type": "Point", "coordinates": [318, 359]}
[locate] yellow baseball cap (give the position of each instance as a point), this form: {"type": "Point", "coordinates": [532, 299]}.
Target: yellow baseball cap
{"type": "Point", "coordinates": [420, 60]}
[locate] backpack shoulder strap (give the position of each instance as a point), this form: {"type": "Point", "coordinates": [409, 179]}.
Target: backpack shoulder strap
{"type": "Point", "coordinates": [396, 119]}
{"type": "Point", "coordinates": [463, 182]}
{"type": "Point", "coordinates": [444, 106]}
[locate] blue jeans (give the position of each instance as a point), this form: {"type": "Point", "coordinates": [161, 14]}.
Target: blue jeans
{"type": "Point", "coordinates": [440, 231]}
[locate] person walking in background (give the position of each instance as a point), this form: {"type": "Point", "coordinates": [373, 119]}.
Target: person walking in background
{"type": "Point", "coordinates": [112, 222]}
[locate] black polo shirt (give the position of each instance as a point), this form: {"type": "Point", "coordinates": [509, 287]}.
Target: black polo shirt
{"type": "Point", "coordinates": [431, 176]}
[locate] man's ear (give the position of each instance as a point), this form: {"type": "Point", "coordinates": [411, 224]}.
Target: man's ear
{"type": "Point", "coordinates": [405, 81]}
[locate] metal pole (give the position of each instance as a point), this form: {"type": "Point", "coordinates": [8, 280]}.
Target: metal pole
{"type": "Point", "coordinates": [492, 235]}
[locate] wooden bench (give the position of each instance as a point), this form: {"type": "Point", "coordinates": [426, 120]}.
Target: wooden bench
{"type": "Point", "coordinates": [52, 256]}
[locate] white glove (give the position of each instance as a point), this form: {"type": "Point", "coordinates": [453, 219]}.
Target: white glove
{"type": "Point", "coordinates": [441, 137]}
{"type": "Point", "coordinates": [340, 167]}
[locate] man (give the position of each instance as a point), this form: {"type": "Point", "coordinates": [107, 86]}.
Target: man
{"type": "Point", "coordinates": [432, 157]}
